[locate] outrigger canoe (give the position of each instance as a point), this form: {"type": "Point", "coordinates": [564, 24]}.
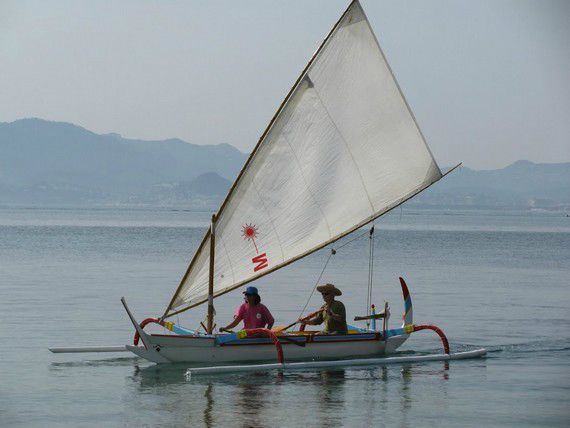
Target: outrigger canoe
{"type": "Point", "coordinates": [190, 346]}
{"type": "Point", "coordinates": [343, 149]}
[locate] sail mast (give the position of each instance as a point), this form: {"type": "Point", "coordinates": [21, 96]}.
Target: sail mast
{"type": "Point", "coordinates": [210, 321]}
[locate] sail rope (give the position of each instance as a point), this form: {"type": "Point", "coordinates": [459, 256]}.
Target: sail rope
{"type": "Point", "coordinates": [332, 253]}
{"type": "Point", "coordinates": [352, 240]}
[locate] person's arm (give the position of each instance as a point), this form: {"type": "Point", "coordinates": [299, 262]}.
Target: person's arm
{"type": "Point", "coordinates": [336, 317]}
{"type": "Point", "coordinates": [269, 318]}
{"type": "Point", "coordinates": [231, 325]}
{"type": "Point", "coordinates": [316, 320]}
{"type": "Point", "coordinates": [238, 316]}
{"type": "Point", "coordinates": [341, 315]}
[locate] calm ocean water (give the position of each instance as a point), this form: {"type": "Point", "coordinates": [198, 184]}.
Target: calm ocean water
{"type": "Point", "coordinates": [489, 279]}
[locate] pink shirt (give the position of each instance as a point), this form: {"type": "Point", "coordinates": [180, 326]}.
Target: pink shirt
{"type": "Point", "coordinates": [254, 316]}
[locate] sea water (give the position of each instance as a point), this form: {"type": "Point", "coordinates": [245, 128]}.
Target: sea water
{"type": "Point", "coordinates": [498, 280]}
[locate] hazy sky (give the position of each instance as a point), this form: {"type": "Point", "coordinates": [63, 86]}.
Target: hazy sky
{"type": "Point", "coordinates": [488, 81]}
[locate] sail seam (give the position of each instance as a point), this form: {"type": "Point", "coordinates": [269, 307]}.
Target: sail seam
{"type": "Point", "coordinates": [347, 149]}
{"type": "Point", "coordinates": [269, 217]}
{"type": "Point", "coordinates": [307, 185]}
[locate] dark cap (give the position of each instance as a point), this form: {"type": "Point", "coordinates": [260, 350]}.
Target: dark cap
{"type": "Point", "coordinates": [251, 291]}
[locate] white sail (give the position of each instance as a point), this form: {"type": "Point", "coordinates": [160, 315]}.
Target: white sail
{"type": "Point", "coordinates": [343, 149]}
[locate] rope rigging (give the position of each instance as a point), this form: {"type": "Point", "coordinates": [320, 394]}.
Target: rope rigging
{"type": "Point", "coordinates": [332, 253]}
{"type": "Point", "coordinates": [370, 234]}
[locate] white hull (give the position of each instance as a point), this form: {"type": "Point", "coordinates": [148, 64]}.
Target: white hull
{"type": "Point", "coordinates": [205, 350]}
{"type": "Point", "coordinates": [210, 350]}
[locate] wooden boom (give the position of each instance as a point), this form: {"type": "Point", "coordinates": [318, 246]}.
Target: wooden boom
{"type": "Point", "coordinates": [371, 317]}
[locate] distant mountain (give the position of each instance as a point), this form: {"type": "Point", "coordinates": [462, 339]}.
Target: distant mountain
{"type": "Point", "coordinates": [54, 163]}
{"type": "Point", "coordinates": [522, 184]}
{"type": "Point", "coordinates": [59, 164]}
{"type": "Point", "coordinates": [209, 183]}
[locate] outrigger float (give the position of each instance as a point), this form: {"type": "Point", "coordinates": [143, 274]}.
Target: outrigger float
{"type": "Point", "coordinates": [342, 150]}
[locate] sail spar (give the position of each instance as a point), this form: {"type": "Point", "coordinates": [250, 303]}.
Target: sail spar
{"type": "Point", "coordinates": [343, 149]}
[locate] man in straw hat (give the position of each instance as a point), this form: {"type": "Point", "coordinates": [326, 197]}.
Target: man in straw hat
{"type": "Point", "coordinates": [332, 313]}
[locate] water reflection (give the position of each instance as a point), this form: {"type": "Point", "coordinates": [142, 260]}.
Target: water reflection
{"type": "Point", "coordinates": [100, 362]}
{"type": "Point", "coordinates": [208, 417]}
{"type": "Point", "coordinates": [406, 395]}
{"type": "Point", "coordinates": [251, 401]}
{"type": "Point", "coordinates": [331, 396]}
{"type": "Point", "coordinates": [159, 375]}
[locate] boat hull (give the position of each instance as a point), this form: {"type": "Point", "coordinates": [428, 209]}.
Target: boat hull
{"type": "Point", "coordinates": [201, 350]}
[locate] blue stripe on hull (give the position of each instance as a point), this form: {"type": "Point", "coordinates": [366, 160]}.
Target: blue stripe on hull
{"type": "Point", "coordinates": [302, 339]}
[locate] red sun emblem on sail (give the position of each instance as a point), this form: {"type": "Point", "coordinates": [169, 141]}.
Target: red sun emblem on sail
{"type": "Point", "coordinates": [249, 232]}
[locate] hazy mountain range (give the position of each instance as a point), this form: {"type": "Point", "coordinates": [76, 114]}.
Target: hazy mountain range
{"type": "Point", "coordinates": [522, 184]}
{"type": "Point", "coordinates": [54, 163]}
{"type": "Point", "coordinates": [59, 164]}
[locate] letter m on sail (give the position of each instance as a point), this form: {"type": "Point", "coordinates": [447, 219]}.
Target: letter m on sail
{"type": "Point", "coordinates": [260, 262]}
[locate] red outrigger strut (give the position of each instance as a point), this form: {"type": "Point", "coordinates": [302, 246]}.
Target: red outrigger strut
{"type": "Point", "coordinates": [242, 334]}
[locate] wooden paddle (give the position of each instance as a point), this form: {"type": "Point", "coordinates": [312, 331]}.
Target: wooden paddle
{"type": "Point", "coordinates": [371, 317]}
{"type": "Point", "coordinates": [291, 340]}
{"type": "Point", "coordinates": [308, 317]}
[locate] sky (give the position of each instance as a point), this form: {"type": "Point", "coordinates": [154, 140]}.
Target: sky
{"type": "Point", "coordinates": [488, 81]}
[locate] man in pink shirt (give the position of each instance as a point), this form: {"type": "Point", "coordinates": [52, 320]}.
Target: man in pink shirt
{"type": "Point", "coordinates": [252, 312]}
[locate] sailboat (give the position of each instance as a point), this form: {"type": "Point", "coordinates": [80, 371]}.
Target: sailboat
{"type": "Point", "coordinates": [342, 150]}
